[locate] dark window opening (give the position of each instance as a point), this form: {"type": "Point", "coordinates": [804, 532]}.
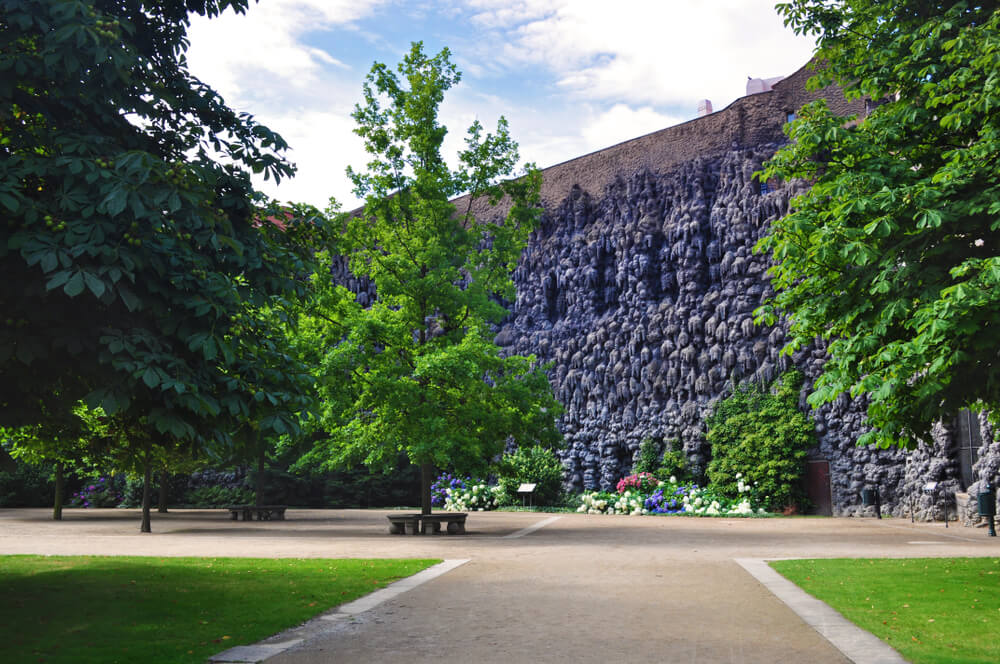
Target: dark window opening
{"type": "Point", "coordinates": [552, 297]}
{"type": "Point", "coordinates": [970, 439]}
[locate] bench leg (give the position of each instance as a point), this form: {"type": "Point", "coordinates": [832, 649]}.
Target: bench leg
{"type": "Point", "coordinates": [395, 528]}
{"type": "Point", "coordinates": [456, 528]}
{"type": "Point", "coordinates": [413, 527]}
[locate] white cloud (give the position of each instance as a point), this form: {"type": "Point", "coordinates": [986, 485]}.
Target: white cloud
{"type": "Point", "coordinates": [658, 52]}
{"type": "Point", "coordinates": [323, 146]}
{"type": "Point", "coordinates": [238, 54]}
{"type": "Point", "coordinates": [261, 64]}
{"type": "Point", "coordinates": [622, 123]}
{"type": "Point", "coordinates": [571, 76]}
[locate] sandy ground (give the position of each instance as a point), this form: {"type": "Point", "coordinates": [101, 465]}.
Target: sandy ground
{"type": "Point", "coordinates": [582, 588]}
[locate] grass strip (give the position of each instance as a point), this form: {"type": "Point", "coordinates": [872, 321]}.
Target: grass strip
{"type": "Point", "coordinates": [104, 609]}
{"type": "Point", "coordinates": [931, 610]}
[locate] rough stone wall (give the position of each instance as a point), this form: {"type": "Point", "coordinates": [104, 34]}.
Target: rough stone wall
{"type": "Point", "coordinates": [640, 284]}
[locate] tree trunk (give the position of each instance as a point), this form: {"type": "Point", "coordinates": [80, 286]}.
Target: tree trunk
{"type": "Point", "coordinates": [426, 479]}
{"type": "Point", "coordinates": [147, 480]}
{"type": "Point", "coordinates": [161, 494]}
{"type": "Point", "coordinates": [58, 504]}
{"type": "Point", "coordinates": [261, 457]}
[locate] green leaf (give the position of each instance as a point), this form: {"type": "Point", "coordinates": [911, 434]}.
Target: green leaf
{"type": "Point", "coordinates": [57, 279]}
{"type": "Point", "coordinates": [49, 262]}
{"type": "Point", "coordinates": [95, 285]}
{"type": "Point", "coordinates": [115, 203]}
{"type": "Point", "coordinates": [131, 301]}
{"type": "Point", "coordinates": [74, 286]}
{"type": "Point", "coordinates": [150, 377]}
{"type": "Point", "coordinates": [9, 202]}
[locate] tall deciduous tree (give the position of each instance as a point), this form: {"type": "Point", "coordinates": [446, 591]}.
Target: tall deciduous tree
{"type": "Point", "coordinates": [417, 371]}
{"type": "Point", "coordinates": [135, 259]}
{"type": "Point", "coordinates": [893, 255]}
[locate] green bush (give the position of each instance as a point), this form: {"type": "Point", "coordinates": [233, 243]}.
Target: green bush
{"type": "Point", "coordinates": [26, 485]}
{"type": "Point", "coordinates": [532, 465]}
{"type": "Point", "coordinates": [662, 463]}
{"type": "Point", "coordinates": [762, 436]}
{"type": "Point", "coordinates": [649, 456]}
{"type": "Point", "coordinates": [102, 491]}
{"type": "Point", "coordinates": [218, 496]}
{"type": "Point", "coordinates": [673, 464]}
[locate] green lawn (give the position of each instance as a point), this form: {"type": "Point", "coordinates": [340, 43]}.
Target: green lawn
{"type": "Point", "coordinates": [932, 610]}
{"type": "Point", "coordinates": [131, 609]}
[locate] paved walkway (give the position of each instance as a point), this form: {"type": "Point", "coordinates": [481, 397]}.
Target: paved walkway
{"type": "Point", "coordinates": [579, 588]}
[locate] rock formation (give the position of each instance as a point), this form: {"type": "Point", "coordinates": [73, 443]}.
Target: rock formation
{"type": "Point", "coordinates": [640, 284]}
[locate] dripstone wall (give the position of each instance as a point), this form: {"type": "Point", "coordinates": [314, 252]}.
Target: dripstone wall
{"type": "Point", "coordinates": [640, 283]}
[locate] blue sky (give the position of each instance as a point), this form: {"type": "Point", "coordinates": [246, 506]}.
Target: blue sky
{"type": "Point", "coordinates": [571, 76]}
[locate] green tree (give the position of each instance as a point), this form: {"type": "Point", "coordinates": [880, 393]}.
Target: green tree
{"type": "Point", "coordinates": [73, 443]}
{"type": "Point", "coordinates": [760, 436]}
{"type": "Point", "coordinates": [893, 255]}
{"type": "Point", "coordinates": [417, 371]}
{"type": "Point", "coordinates": [136, 261]}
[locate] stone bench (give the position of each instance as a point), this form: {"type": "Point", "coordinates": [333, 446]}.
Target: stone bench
{"type": "Point", "coordinates": [404, 524]}
{"type": "Point", "coordinates": [260, 513]}
{"type": "Point", "coordinates": [422, 524]}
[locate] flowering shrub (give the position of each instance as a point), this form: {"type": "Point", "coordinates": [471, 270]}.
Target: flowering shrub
{"type": "Point", "coordinates": [596, 502]}
{"type": "Point", "coordinates": [444, 485]}
{"type": "Point", "coordinates": [643, 482]}
{"type": "Point", "coordinates": [669, 497]}
{"type": "Point", "coordinates": [477, 497]}
{"type": "Point", "coordinates": [456, 494]}
{"type": "Point", "coordinates": [101, 492]}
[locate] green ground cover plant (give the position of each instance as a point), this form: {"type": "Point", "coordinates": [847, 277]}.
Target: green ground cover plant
{"type": "Point", "coordinates": [96, 609]}
{"type": "Point", "coordinates": [932, 610]}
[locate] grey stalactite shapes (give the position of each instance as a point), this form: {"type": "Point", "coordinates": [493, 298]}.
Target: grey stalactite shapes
{"type": "Point", "coordinates": [643, 298]}
{"type": "Point", "coordinates": [647, 295]}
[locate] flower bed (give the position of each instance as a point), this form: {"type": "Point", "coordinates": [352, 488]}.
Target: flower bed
{"type": "Point", "coordinates": [457, 494]}
{"type": "Point", "coordinates": [102, 492]}
{"type": "Point", "coordinates": [638, 495]}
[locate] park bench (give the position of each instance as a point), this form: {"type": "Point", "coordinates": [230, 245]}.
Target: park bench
{"type": "Point", "coordinates": [404, 524]}
{"type": "Point", "coordinates": [422, 524]}
{"type": "Point", "coordinates": [258, 512]}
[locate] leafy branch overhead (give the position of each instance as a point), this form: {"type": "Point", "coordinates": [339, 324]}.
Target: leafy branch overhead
{"type": "Point", "coordinates": [893, 255]}
{"type": "Point", "coordinates": [138, 262]}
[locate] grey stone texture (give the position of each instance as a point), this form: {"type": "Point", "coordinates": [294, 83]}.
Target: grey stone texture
{"type": "Point", "coordinates": [640, 284]}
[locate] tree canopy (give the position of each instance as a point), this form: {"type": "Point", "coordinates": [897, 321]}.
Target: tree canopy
{"type": "Point", "coordinates": [141, 273]}
{"type": "Point", "coordinates": [417, 370]}
{"type": "Point", "coordinates": [893, 255]}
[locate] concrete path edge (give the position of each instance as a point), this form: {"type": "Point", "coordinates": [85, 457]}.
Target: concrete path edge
{"type": "Point", "coordinates": [259, 652]}
{"type": "Point", "coordinates": [859, 646]}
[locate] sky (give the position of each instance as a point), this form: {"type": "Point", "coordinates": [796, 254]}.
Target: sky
{"type": "Point", "coordinates": [570, 76]}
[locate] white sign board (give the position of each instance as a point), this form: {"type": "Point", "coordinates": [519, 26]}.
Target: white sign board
{"type": "Point", "coordinates": [526, 488]}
